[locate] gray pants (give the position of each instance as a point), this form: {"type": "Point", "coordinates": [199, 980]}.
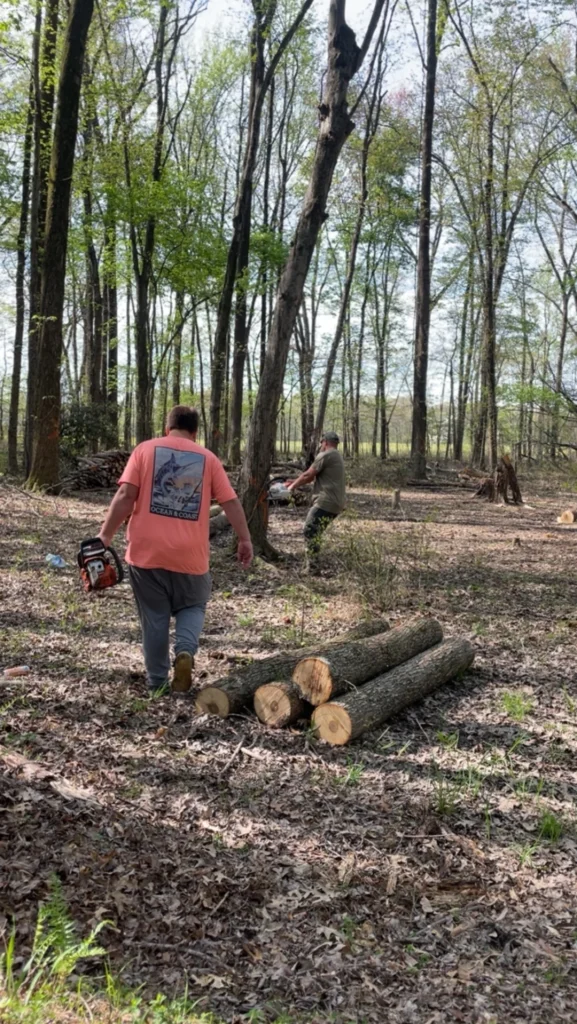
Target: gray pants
{"type": "Point", "coordinates": [161, 594]}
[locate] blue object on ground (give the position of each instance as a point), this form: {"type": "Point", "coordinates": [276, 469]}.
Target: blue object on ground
{"type": "Point", "coordinates": [56, 561]}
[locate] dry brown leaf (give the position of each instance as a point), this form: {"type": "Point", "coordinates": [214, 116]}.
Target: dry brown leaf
{"type": "Point", "coordinates": [347, 868]}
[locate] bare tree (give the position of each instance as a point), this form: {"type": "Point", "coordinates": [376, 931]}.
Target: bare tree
{"type": "Point", "coordinates": [239, 246]}
{"type": "Point", "coordinates": [345, 58]}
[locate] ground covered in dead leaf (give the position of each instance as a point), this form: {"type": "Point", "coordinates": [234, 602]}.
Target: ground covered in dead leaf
{"type": "Point", "coordinates": [425, 874]}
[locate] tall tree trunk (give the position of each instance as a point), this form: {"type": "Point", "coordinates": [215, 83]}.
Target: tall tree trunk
{"type": "Point", "coordinates": [344, 60]}
{"type": "Point", "coordinates": [46, 435]}
{"type": "Point", "coordinates": [128, 383]}
{"type": "Point", "coordinates": [111, 329]}
{"type": "Point", "coordinates": [44, 73]}
{"type": "Point", "coordinates": [370, 131]}
{"type": "Point", "coordinates": [238, 252]}
{"type": "Point", "coordinates": [265, 222]}
{"type": "Point", "coordinates": [201, 382]}
{"type": "Point", "coordinates": [20, 278]}
{"type": "Point", "coordinates": [465, 356]}
{"type": "Point", "coordinates": [419, 425]}
{"type": "Point", "coordinates": [556, 417]}
{"type": "Point", "coordinates": [177, 348]}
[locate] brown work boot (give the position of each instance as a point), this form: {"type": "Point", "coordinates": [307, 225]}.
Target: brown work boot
{"type": "Point", "coordinates": [182, 678]}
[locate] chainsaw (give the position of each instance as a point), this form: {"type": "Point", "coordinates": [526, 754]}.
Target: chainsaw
{"type": "Point", "coordinates": [100, 567]}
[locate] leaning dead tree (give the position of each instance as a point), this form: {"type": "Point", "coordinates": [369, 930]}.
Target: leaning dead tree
{"type": "Point", "coordinates": [345, 58]}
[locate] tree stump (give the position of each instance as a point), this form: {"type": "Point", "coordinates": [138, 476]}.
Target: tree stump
{"type": "Point", "coordinates": [567, 517]}
{"type": "Point", "coordinates": [344, 720]}
{"type": "Point", "coordinates": [497, 487]}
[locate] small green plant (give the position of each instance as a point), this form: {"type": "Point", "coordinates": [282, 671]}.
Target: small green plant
{"type": "Point", "coordinates": [353, 775]}
{"type": "Point", "coordinates": [246, 620]}
{"type": "Point", "coordinates": [349, 928]}
{"type": "Point", "coordinates": [446, 795]}
{"type": "Point", "coordinates": [529, 786]}
{"type": "Point", "coordinates": [421, 958]}
{"type": "Point", "coordinates": [550, 827]}
{"type": "Point", "coordinates": [56, 951]}
{"type": "Point", "coordinates": [449, 740]}
{"type": "Point", "coordinates": [526, 854]}
{"type": "Point", "coordinates": [516, 705]}
{"type": "Point", "coordinates": [48, 987]}
{"type": "Point", "coordinates": [570, 703]}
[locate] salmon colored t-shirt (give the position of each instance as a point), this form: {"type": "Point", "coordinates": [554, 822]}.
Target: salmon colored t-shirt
{"type": "Point", "coordinates": [177, 480]}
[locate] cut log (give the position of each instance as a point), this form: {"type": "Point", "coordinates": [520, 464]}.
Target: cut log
{"type": "Point", "coordinates": [215, 510]}
{"type": "Point", "coordinates": [321, 678]}
{"type": "Point", "coordinates": [279, 704]}
{"type": "Point", "coordinates": [343, 720]}
{"type": "Point", "coordinates": [568, 516]}
{"type": "Point", "coordinates": [230, 694]}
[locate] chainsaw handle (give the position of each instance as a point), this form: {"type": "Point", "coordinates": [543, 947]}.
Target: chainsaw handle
{"type": "Point", "coordinates": [117, 563]}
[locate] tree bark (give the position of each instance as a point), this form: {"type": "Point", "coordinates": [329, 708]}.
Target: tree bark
{"type": "Point", "coordinates": [177, 348]}
{"type": "Point", "coordinates": [20, 278]}
{"type": "Point", "coordinates": [322, 678]}
{"type": "Point", "coordinates": [46, 435]}
{"type": "Point", "coordinates": [279, 704]}
{"type": "Point", "coordinates": [344, 60]}
{"type": "Point", "coordinates": [372, 123]}
{"type": "Point", "coordinates": [238, 252]}
{"type": "Point", "coordinates": [419, 425]}
{"type": "Point", "coordinates": [387, 694]}
{"type": "Point", "coordinates": [233, 692]}
{"type": "Point", "coordinates": [44, 63]}
{"type": "Point", "coordinates": [111, 331]}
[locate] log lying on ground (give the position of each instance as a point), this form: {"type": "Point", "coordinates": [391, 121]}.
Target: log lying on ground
{"type": "Point", "coordinates": [343, 720]}
{"type": "Point", "coordinates": [568, 516]}
{"type": "Point", "coordinates": [230, 694]}
{"type": "Point", "coordinates": [215, 510]}
{"type": "Point", "coordinates": [320, 678]}
{"type": "Point", "coordinates": [279, 704]}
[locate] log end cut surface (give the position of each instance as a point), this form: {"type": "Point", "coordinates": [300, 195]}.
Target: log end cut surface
{"type": "Point", "coordinates": [332, 724]}
{"type": "Point", "coordinates": [278, 704]}
{"type": "Point", "coordinates": [314, 679]}
{"type": "Point", "coordinates": [212, 701]}
{"type": "Point", "coordinates": [568, 517]}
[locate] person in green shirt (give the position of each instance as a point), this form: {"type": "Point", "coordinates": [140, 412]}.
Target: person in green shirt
{"type": "Point", "coordinates": [328, 474]}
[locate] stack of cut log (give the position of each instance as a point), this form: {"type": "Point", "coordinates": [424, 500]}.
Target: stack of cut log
{"type": "Point", "coordinates": [347, 685]}
{"type": "Point", "coordinates": [94, 472]}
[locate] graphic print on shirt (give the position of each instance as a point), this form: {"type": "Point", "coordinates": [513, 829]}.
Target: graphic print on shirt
{"type": "Point", "coordinates": [177, 483]}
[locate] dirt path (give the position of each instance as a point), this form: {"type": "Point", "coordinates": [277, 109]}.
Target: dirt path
{"type": "Point", "coordinates": [426, 874]}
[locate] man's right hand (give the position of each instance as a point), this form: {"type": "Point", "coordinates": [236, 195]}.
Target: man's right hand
{"type": "Point", "coordinates": [244, 553]}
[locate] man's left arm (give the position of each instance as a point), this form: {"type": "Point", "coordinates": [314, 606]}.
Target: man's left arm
{"type": "Point", "coordinates": [120, 508]}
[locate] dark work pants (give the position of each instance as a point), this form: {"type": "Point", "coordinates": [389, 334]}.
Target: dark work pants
{"type": "Point", "coordinates": [316, 523]}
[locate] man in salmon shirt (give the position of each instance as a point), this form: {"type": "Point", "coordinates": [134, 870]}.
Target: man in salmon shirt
{"type": "Point", "coordinates": [167, 489]}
